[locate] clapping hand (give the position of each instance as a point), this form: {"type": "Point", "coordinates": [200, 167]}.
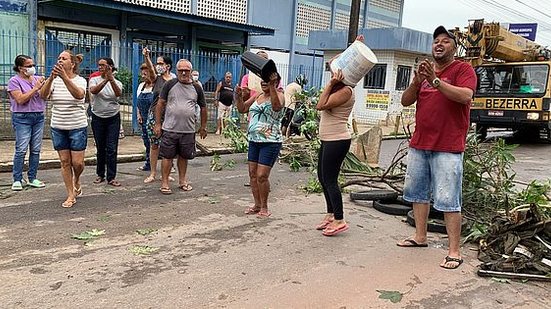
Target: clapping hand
{"type": "Point", "coordinates": [39, 83]}
{"type": "Point", "coordinates": [109, 73]}
{"type": "Point", "coordinates": [59, 71]}
{"type": "Point", "coordinates": [426, 70]}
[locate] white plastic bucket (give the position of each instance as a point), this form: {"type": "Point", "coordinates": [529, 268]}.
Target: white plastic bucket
{"type": "Point", "coordinates": [354, 62]}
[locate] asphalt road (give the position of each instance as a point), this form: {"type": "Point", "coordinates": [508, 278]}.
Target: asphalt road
{"type": "Point", "coordinates": [204, 252]}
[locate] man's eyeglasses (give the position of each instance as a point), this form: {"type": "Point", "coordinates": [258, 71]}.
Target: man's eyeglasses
{"type": "Point", "coordinates": [182, 71]}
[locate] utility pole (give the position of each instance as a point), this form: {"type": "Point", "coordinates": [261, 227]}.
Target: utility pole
{"type": "Point", "coordinates": [354, 20]}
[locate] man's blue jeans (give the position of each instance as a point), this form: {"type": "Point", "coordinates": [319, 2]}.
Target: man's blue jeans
{"type": "Point", "coordinates": [29, 129]}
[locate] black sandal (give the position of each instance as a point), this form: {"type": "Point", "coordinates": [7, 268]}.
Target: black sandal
{"type": "Point", "coordinates": [449, 259]}
{"type": "Point", "coordinates": [99, 180]}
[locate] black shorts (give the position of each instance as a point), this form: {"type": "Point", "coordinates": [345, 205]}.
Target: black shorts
{"type": "Point", "coordinates": [287, 117]}
{"type": "Point", "coordinates": [177, 144]}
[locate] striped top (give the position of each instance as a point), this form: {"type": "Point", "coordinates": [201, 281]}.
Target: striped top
{"type": "Point", "coordinates": [68, 113]}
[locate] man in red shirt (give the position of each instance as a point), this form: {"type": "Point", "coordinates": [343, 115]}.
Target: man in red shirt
{"type": "Point", "coordinates": [443, 90]}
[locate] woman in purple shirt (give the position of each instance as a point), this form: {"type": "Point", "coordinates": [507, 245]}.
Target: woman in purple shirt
{"type": "Point", "coordinates": [27, 110]}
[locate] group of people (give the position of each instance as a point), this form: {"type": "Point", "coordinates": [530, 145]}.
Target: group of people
{"type": "Point", "coordinates": [167, 107]}
{"type": "Point", "coordinates": [65, 90]}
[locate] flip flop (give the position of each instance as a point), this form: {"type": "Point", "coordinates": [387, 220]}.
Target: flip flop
{"type": "Point", "coordinates": [99, 180]}
{"type": "Point", "coordinates": [78, 192]}
{"type": "Point", "coordinates": [263, 214]}
{"type": "Point", "coordinates": [323, 224]}
{"type": "Point", "coordinates": [252, 210]}
{"type": "Point", "coordinates": [411, 243]}
{"type": "Point", "coordinates": [114, 183]}
{"type": "Point", "coordinates": [165, 190]}
{"type": "Point", "coordinates": [185, 187]}
{"type": "Point", "coordinates": [449, 259]}
{"type": "Point", "coordinates": [68, 203]}
{"type": "Point", "coordinates": [331, 231]}
{"type": "Point", "coordinates": [149, 179]}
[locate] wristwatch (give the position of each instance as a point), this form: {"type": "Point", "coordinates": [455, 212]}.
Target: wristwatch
{"type": "Point", "coordinates": [436, 82]}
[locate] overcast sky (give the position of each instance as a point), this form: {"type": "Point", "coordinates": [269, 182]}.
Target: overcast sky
{"type": "Point", "coordinates": [426, 15]}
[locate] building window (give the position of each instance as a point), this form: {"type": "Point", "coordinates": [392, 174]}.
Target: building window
{"type": "Point", "coordinates": [402, 77]}
{"type": "Point", "coordinates": [375, 79]}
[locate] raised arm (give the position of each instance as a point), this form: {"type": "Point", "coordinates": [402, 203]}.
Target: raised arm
{"type": "Point", "coordinates": [242, 106]}
{"type": "Point", "coordinates": [77, 92]}
{"type": "Point", "coordinates": [410, 94]}
{"type": "Point", "coordinates": [329, 98]}
{"type": "Point", "coordinates": [462, 95]}
{"type": "Point", "coordinates": [276, 97]}
{"type": "Point", "coordinates": [24, 98]}
{"type": "Point", "coordinates": [147, 59]}
{"type": "Point", "coordinates": [46, 89]}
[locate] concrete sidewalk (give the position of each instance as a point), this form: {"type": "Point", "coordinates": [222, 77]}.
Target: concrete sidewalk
{"type": "Point", "coordinates": [131, 148]}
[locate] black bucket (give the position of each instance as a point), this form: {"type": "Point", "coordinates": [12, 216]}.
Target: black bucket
{"type": "Point", "coordinates": [259, 65]}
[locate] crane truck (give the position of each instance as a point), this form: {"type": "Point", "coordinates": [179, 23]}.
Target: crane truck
{"type": "Point", "coordinates": [513, 89]}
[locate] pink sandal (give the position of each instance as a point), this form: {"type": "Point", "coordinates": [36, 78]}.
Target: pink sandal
{"type": "Point", "coordinates": [263, 214]}
{"type": "Point", "coordinates": [253, 210]}
{"type": "Point", "coordinates": [332, 231]}
{"type": "Point", "coordinates": [323, 224]}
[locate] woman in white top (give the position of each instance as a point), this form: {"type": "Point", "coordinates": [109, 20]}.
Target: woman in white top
{"type": "Point", "coordinates": [66, 90]}
{"type": "Point", "coordinates": [105, 91]}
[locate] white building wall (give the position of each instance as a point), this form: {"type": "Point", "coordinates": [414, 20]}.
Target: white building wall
{"type": "Point", "coordinates": [387, 114]}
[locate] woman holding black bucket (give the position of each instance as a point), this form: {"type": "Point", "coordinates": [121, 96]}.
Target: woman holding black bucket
{"type": "Point", "coordinates": [335, 103]}
{"type": "Point", "coordinates": [265, 138]}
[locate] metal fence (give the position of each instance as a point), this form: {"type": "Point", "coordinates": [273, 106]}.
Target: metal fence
{"type": "Point", "coordinates": [128, 58]}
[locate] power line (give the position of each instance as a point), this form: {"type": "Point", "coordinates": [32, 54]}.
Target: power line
{"type": "Point", "coordinates": [502, 12]}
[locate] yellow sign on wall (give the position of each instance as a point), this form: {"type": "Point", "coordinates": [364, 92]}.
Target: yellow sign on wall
{"type": "Point", "coordinates": [377, 99]}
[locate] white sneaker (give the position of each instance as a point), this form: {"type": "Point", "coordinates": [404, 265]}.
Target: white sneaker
{"type": "Point", "coordinates": [17, 186]}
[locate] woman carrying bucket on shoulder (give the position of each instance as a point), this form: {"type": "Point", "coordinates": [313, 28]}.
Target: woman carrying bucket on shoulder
{"type": "Point", "coordinates": [335, 103]}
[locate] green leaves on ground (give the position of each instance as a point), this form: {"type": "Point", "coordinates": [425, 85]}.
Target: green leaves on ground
{"type": "Point", "coordinates": [88, 235]}
{"type": "Point", "coordinates": [143, 250]}
{"type": "Point", "coordinates": [393, 296]}
{"type": "Point", "coordinates": [230, 164]}
{"type": "Point", "coordinates": [237, 138]}
{"type": "Point", "coordinates": [216, 164]}
{"type": "Point", "coordinates": [104, 218]}
{"type": "Point", "coordinates": [313, 185]}
{"type": "Point", "coordinates": [146, 231]}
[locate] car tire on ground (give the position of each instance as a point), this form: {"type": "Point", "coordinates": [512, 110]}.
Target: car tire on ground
{"type": "Point", "coordinates": [400, 200]}
{"type": "Point", "coordinates": [374, 195]}
{"type": "Point", "coordinates": [435, 225]}
{"type": "Point", "coordinates": [391, 208]}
